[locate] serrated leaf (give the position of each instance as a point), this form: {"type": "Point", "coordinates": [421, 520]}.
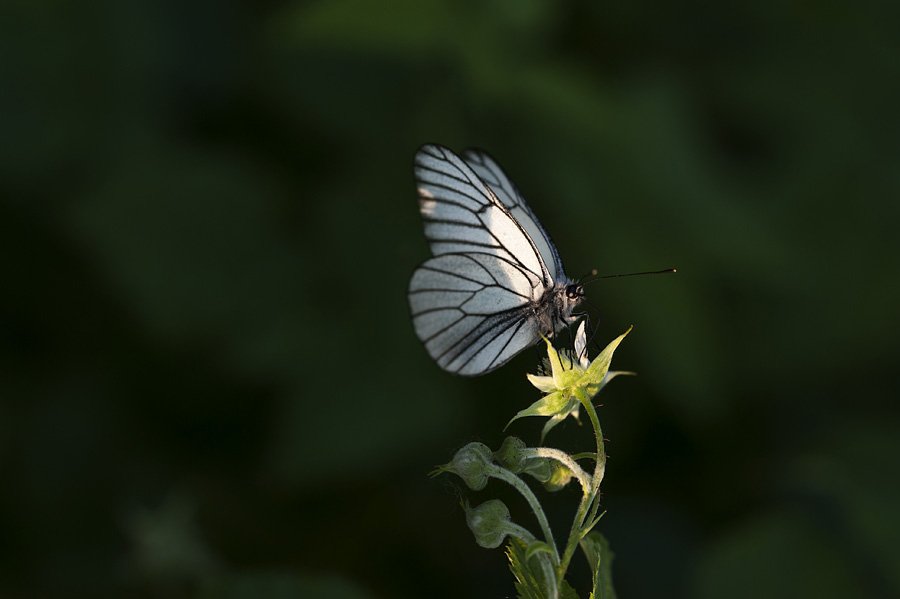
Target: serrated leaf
{"type": "Point", "coordinates": [530, 581]}
{"type": "Point", "coordinates": [566, 591]}
{"type": "Point", "coordinates": [596, 549]}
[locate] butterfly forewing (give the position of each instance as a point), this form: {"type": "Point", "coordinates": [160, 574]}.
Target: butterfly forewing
{"type": "Point", "coordinates": [462, 214]}
{"type": "Point", "coordinates": [508, 194]}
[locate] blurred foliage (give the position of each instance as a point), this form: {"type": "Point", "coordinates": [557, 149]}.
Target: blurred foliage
{"type": "Point", "coordinates": [207, 224]}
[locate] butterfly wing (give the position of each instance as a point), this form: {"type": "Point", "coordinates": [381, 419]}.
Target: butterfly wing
{"type": "Point", "coordinates": [463, 215]}
{"type": "Point", "coordinates": [473, 303]}
{"type": "Point", "coordinates": [490, 172]}
{"type": "Point", "coordinates": [472, 310]}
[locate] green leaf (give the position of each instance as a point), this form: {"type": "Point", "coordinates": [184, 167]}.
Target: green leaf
{"type": "Point", "coordinates": [599, 556]}
{"type": "Point", "coordinates": [566, 591]}
{"type": "Point", "coordinates": [530, 583]}
{"type": "Point", "coordinates": [525, 565]}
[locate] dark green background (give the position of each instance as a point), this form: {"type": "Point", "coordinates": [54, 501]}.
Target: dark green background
{"type": "Point", "coordinates": [210, 385]}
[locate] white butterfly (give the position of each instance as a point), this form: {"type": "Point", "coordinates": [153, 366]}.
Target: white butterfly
{"type": "Point", "coordinates": [496, 282]}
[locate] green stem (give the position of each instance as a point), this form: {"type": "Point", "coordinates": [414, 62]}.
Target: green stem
{"type": "Point", "coordinates": [519, 485]}
{"type": "Point", "coordinates": [590, 495]}
{"type": "Point", "coordinates": [520, 532]}
{"type": "Point", "coordinates": [552, 583]}
{"type": "Point", "coordinates": [564, 459]}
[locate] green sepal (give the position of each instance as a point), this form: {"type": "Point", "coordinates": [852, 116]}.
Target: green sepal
{"type": "Point", "coordinates": [546, 384]}
{"type": "Point", "coordinates": [556, 367]}
{"type": "Point", "coordinates": [552, 404]}
{"type": "Point", "coordinates": [596, 550]}
{"type": "Point", "coordinates": [598, 368]}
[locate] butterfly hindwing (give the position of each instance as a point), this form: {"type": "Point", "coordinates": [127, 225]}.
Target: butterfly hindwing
{"type": "Point", "coordinates": [471, 310]}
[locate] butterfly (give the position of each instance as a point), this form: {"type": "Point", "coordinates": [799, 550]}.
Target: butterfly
{"type": "Point", "coordinates": [495, 283]}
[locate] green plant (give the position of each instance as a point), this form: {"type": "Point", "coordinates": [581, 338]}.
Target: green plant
{"type": "Point", "coordinates": [535, 560]}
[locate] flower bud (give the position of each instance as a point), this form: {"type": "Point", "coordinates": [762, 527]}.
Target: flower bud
{"type": "Point", "coordinates": [539, 468]}
{"type": "Point", "coordinates": [560, 476]}
{"type": "Point", "coordinates": [489, 522]}
{"type": "Point", "coordinates": [511, 454]}
{"type": "Point", "coordinates": [471, 464]}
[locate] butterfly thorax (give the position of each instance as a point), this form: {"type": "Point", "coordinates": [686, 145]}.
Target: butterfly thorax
{"type": "Point", "coordinates": [554, 309]}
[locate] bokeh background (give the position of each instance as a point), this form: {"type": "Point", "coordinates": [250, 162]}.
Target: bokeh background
{"type": "Point", "coordinates": [210, 385]}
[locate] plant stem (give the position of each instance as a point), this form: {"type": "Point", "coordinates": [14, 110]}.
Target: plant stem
{"type": "Point", "coordinates": [564, 459]}
{"type": "Point", "coordinates": [589, 497]}
{"type": "Point", "coordinates": [520, 485]}
{"type": "Point", "coordinates": [521, 532]}
{"type": "Point", "coordinates": [552, 583]}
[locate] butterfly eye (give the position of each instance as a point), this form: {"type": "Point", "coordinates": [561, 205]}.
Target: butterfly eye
{"type": "Point", "coordinates": [574, 292]}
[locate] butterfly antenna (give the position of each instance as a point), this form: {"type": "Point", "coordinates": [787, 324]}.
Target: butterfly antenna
{"type": "Point", "coordinates": [588, 277]}
{"type": "Point", "coordinates": [631, 274]}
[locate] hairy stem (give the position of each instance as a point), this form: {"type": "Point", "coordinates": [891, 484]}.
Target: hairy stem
{"type": "Point", "coordinates": [526, 492]}
{"type": "Point", "coordinates": [552, 583]}
{"type": "Point", "coordinates": [564, 459]}
{"type": "Point", "coordinates": [589, 498]}
{"type": "Point", "coordinates": [520, 532]}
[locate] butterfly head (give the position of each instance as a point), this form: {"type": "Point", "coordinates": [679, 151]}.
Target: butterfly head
{"type": "Point", "coordinates": [566, 297]}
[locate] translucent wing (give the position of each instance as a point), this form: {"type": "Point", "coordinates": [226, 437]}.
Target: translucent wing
{"type": "Point", "coordinates": [490, 172]}
{"type": "Point", "coordinates": [463, 215]}
{"type": "Point", "coordinates": [473, 310]}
